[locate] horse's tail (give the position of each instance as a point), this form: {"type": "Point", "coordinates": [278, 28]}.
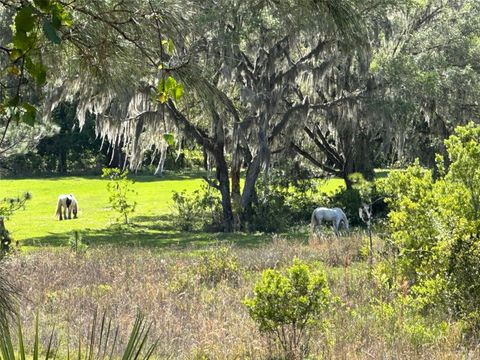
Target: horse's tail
{"type": "Point", "coordinates": [58, 212]}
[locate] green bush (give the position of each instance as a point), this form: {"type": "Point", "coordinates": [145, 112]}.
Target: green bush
{"type": "Point", "coordinates": [435, 225]}
{"type": "Point", "coordinates": [362, 192]}
{"type": "Point", "coordinates": [200, 210]}
{"type": "Point", "coordinates": [350, 201]}
{"type": "Point", "coordinates": [76, 243]}
{"type": "Point", "coordinates": [278, 205]}
{"type": "Point", "coordinates": [281, 204]}
{"type": "Point", "coordinates": [287, 306]}
{"type": "Point", "coordinates": [8, 206]}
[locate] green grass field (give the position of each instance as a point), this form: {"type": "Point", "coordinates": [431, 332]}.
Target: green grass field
{"type": "Point", "coordinates": [37, 226]}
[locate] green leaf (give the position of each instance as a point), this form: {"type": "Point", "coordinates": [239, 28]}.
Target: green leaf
{"type": "Point", "coordinates": [43, 5]}
{"type": "Point", "coordinates": [171, 47]}
{"type": "Point", "coordinates": [60, 17]}
{"type": "Point", "coordinates": [67, 19]}
{"type": "Point", "coordinates": [56, 21]}
{"type": "Point", "coordinates": [25, 19]}
{"type": "Point", "coordinates": [13, 101]}
{"type": "Point", "coordinates": [169, 138]}
{"type": "Point", "coordinates": [37, 71]}
{"type": "Point", "coordinates": [21, 346]}
{"type": "Point", "coordinates": [162, 97]}
{"type": "Point", "coordinates": [161, 86]}
{"type": "Point", "coordinates": [28, 117]}
{"type": "Point", "coordinates": [50, 32]}
{"type": "Point", "coordinates": [15, 54]}
{"type": "Point", "coordinates": [41, 74]}
{"type": "Point", "coordinates": [23, 41]}
{"type": "Point", "coordinates": [178, 92]}
{"type": "Point", "coordinates": [170, 84]}
{"type": "Point", "coordinates": [29, 65]}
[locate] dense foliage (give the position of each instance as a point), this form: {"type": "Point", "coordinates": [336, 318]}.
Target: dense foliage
{"type": "Point", "coordinates": [434, 226]}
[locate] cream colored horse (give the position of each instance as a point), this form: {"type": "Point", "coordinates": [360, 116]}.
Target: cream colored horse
{"type": "Point", "coordinates": [69, 204]}
{"type": "Point", "coordinates": [335, 215]}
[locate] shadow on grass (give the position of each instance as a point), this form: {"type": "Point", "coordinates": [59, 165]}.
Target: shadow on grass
{"type": "Point", "coordinates": [149, 232]}
{"type": "Point", "coordinates": [168, 175]}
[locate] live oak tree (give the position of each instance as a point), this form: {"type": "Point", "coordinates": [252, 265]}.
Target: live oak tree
{"type": "Point", "coordinates": [426, 69]}
{"type": "Point", "coordinates": [248, 102]}
{"type": "Point", "coordinates": [414, 82]}
{"type": "Point", "coordinates": [256, 55]}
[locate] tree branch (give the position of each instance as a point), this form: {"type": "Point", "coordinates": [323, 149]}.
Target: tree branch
{"type": "Point", "coordinates": [182, 122]}
{"type": "Point", "coordinates": [314, 161]}
{"type": "Point", "coordinates": [285, 118]}
{"type": "Point", "coordinates": [314, 52]}
{"type": "Point", "coordinates": [330, 155]}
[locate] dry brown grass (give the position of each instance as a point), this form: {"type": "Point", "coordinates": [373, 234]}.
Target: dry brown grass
{"type": "Point", "coordinates": [196, 321]}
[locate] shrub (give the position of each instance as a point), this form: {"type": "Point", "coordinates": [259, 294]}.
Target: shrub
{"type": "Point", "coordinates": [287, 306]}
{"type": "Point", "coordinates": [435, 227]}
{"type": "Point", "coordinates": [362, 192]}
{"type": "Point", "coordinates": [8, 206]}
{"type": "Point", "coordinates": [119, 187]}
{"type": "Point", "coordinates": [219, 265]}
{"type": "Point", "coordinates": [281, 204]}
{"type": "Point", "coordinates": [200, 210]}
{"type": "Point", "coordinates": [350, 201]}
{"type": "Point", "coordinates": [76, 243]}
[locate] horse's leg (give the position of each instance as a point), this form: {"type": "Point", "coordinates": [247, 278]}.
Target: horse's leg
{"type": "Point", "coordinates": [318, 226]}
{"type": "Point", "coordinates": [336, 225]}
{"type": "Point", "coordinates": [69, 212]}
{"type": "Point", "coordinates": [65, 213]}
{"type": "Point", "coordinates": [60, 213]}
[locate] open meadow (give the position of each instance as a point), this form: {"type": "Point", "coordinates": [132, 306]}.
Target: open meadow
{"type": "Point", "coordinates": [37, 226]}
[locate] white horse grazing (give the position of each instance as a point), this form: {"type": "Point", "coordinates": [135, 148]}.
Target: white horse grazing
{"type": "Point", "coordinates": [68, 203]}
{"type": "Point", "coordinates": [335, 215]}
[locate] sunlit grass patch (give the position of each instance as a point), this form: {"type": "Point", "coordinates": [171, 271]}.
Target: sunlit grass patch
{"type": "Point", "coordinates": [152, 226]}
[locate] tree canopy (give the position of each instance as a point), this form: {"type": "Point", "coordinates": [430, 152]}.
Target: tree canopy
{"type": "Point", "coordinates": [335, 87]}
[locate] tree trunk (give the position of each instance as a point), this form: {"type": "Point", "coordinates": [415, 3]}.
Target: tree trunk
{"type": "Point", "coordinates": [348, 182]}
{"type": "Point", "coordinates": [205, 159]}
{"type": "Point", "coordinates": [224, 188]}
{"type": "Point", "coordinates": [222, 171]}
{"type": "Point", "coordinates": [253, 172]}
{"type": "Point", "coordinates": [62, 161]}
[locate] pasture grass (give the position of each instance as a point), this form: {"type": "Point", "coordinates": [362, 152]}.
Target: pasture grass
{"type": "Point", "coordinates": [36, 225]}
{"type": "Point", "coordinates": [195, 319]}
